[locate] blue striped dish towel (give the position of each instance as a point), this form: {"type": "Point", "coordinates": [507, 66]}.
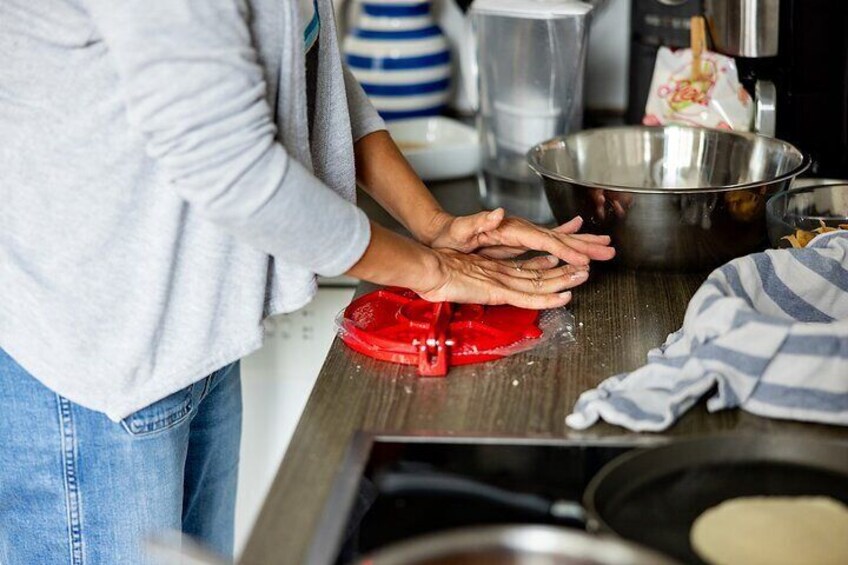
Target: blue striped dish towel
{"type": "Point", "coordinates": [768, 330]}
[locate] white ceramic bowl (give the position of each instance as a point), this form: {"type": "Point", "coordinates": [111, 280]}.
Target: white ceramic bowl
{"type": "Point", "coordinates": [438, 148]}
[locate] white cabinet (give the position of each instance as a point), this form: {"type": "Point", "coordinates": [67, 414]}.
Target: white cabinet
{"type": "Point", "coordinates": [276, 383]}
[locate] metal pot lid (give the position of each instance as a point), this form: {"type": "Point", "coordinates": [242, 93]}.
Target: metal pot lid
{"type": "Point", "coordinates": [514, 545]}
{"type": "Point", "coordinates": [394, 324]}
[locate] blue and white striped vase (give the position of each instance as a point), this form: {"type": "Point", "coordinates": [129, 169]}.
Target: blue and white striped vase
{"type": "Point", "coordinates": [400, 57]}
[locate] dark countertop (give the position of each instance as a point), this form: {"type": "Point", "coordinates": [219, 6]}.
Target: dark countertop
{"type": "Point", "coordinates": [623, 315]}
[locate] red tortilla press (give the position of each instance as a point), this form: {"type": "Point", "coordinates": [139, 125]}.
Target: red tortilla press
{"type": "Point", "coordinates": [394, 324]}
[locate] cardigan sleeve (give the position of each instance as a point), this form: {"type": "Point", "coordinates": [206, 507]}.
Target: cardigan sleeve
{"type": "Point", "coordinates": [193, 86]}
{"type": "Point", "coordinates": [364, 119]}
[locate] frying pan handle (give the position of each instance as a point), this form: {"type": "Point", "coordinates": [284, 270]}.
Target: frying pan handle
{"type": "Point", "coordinates": [443, 484]}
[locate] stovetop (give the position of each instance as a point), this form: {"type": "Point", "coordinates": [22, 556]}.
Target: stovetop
{"type": "Point", "coordinates": [380, 498]}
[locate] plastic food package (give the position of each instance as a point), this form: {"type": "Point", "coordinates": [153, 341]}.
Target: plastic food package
{"type": "Point", "coordinates": [713, 98]}
{"type": "Point", "coordinates": [395, 325]}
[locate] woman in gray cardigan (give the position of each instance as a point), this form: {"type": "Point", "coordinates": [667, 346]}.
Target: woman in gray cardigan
{"type": "Point", "coordinates": [171, 173]}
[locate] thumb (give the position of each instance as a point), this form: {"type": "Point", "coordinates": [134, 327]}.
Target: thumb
{"type": "Point", "coordinates": [487, 221]}
{"type": "Point", "coordinates": [466, 229]}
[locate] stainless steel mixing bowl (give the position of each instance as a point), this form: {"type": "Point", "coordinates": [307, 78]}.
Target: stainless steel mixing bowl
{"type": "Point", "coordinates": [673, 197]}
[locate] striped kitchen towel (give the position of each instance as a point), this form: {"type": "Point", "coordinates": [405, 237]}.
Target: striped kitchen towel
{"type": "Point", "coordinates": [768, 330]}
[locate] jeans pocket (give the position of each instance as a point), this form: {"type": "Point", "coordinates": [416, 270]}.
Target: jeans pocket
{"type": "Point", "coordinates": [161, 415]}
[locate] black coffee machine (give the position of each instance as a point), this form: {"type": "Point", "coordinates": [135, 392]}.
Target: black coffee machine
{"type": "Point", "coordinates": [654, 24]}
{"type": "Point", "coordinates": [792, 56]}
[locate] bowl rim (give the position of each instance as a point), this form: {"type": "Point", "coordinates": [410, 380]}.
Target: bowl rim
{"type": "Point", "coordinates": [774, 222]}
{"type": "Point", "coordinates": [771, 202]}
{"type": "Point", "coordinates": [535, 164]}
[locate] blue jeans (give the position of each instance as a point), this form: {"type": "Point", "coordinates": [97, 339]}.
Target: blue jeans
{"type": "Point", "coordinates": [78, 488]}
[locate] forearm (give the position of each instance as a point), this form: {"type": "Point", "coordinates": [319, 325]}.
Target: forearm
{"type": "Point", "coordinates": [194, 88]}
{"type": "Point", "coordinates": [383, 172]}
{"type": "Point", "coordinates": [451, 276]}
{"type": "Point", "coordinates": [394, 260]}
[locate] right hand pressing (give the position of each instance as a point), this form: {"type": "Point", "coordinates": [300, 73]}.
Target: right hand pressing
{"type": "Point", "coordinates": [469, 278]}
{"type": "Point", "coordinates": [448, 275]}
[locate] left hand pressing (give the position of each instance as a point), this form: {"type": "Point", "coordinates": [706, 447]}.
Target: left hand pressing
{"type": "Point", "coordinates": [493, 235]}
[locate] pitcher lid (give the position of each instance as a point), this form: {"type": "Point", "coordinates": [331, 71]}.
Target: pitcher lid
{"type": "Point", "coordinates": [535, 9]}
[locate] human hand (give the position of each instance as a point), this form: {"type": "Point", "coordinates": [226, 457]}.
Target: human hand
{"type": "Point", "coordinates": [493, 235]}
{"type": "Point", "coordinates": [470, 278]}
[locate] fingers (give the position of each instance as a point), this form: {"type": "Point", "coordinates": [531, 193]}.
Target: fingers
{"type": "Point", "coordinates": [537, 275]}
{"type": "Point", "coordinates": [554, 244]}
{"type": "Point", "coordinates": [533, 274]}
{"type": "Point", "coordinates": [530, 301]}
{"type": "Point", "coordinates": [473, 279]}
{"type": "Point", "coordinates": [501, 252]}
{"type": "Point", "coordinates": [570, 248]}
{"type": "Point", "coordinates": [528, 236]}
{"type": "Point", "coordinates": [550, 285]}
{"type": "Point", "coordinates": [591, 249]}
{"type": "Point", "coordinates": [592, 238]}
{"type": "Point", "coordinates": [542, 262]}
{"type": "Point", "coordinates": [514, 232]}
{"type": "Point", "coordinates": [538, 268]}
{"type": "Point", "coordinates": [536, 286]}
{"type": "Point", "coordinates": [571, 226]}
{"type": "Point", "coordinates": [507, 252]}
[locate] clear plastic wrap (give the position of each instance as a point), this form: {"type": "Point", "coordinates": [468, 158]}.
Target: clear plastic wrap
{"type": "Point", "coordinates": [557, 327]}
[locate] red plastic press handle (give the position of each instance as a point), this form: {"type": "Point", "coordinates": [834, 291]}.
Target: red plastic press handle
{"type": "Point", "coordinates": [433, 353]}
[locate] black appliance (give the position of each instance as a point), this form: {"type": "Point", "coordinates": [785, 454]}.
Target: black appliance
{"type": "Point", "coordinates": [391, 489]}
{"type": "Point", "coordinates": [792, 56]}
{"type": "Point", "coordinates": [809, 71]}
{"type": "Point", "coordinates": [383, 511]}
{"type": "Point", "coordinates": [654, 24]}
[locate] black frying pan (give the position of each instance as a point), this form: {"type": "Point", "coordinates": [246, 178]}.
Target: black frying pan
{"type": "Point", "coordinates": [653, 496]}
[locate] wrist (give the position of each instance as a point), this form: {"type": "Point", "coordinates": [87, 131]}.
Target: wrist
{"type": "Point", "coordinates": [394, 260]}
{"type": "Point", "coordinates": [431, 273]}
{"type": "Point", "coordinates": [433, 225]}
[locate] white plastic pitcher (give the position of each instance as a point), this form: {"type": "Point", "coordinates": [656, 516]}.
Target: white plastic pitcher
{"type": "Point", "coordinates": [524, 72]}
